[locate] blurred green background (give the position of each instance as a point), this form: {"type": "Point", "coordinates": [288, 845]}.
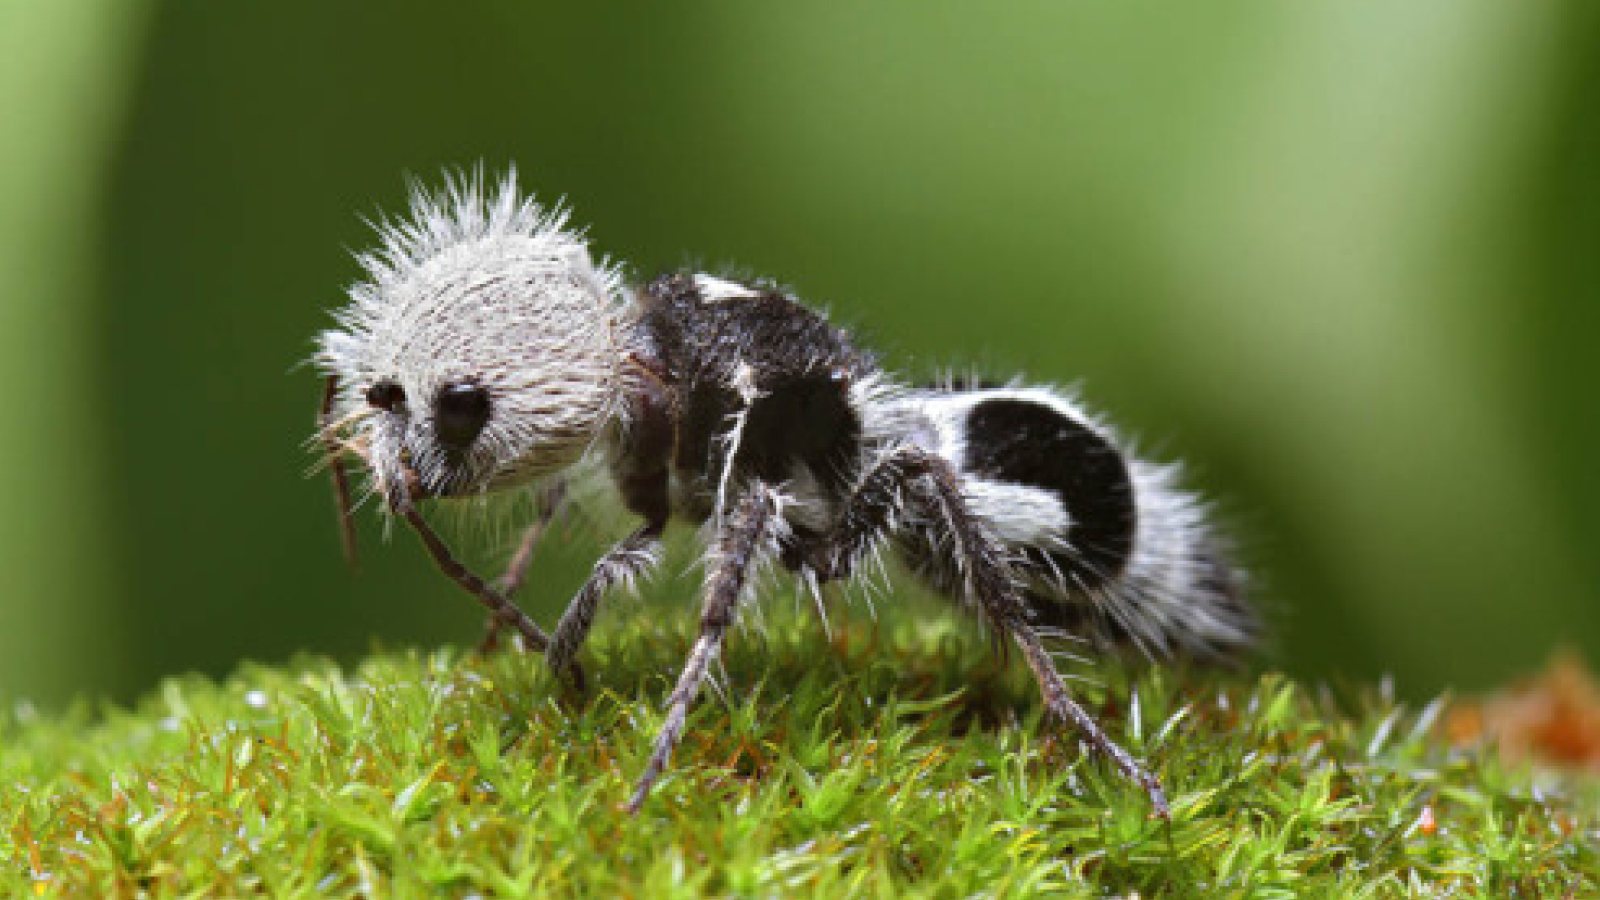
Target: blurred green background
{"type": "Point", "coordinates": [1340, 255]}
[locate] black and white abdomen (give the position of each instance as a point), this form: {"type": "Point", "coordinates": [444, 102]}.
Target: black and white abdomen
{"type": "Point", "coordinates": [1109, 546]}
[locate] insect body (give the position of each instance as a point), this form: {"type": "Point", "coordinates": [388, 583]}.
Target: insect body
{"type": "Point", "coordinates": [489, 351]}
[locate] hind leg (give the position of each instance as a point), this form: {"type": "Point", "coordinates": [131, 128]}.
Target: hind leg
{"type": "Point", "coordinates": [517, 569]}
{"type": "Point", "coordinates": [912, 491]}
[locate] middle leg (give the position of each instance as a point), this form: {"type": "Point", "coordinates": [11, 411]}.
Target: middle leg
{"type": "Point", "coordinates": [742, 539]}
{"type": "Point", "coordinates": [550, 500]}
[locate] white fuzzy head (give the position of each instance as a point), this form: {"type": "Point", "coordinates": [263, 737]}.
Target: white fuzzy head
{"type": "Point", "coordinates": [484, 348]}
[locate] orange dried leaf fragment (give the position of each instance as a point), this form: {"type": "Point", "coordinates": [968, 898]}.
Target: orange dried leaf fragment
{"type": "Point", "coordinates": [1552, 718]}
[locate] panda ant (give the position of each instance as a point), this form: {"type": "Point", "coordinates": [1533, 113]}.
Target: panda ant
{"type": "Point", "coordinates": [488, 350]}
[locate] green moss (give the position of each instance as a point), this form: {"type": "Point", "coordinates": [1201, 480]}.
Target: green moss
{"type": "Point", "coordinates": [895, 759]}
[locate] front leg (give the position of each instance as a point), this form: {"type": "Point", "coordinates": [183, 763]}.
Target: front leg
{"type": "Point", "coordinates": [635, 555]}
{"type": "Point", "coordinates": [550, 503]}
{"type": "Point", "coordinates": [501, 610]}
{"type": "Point", "coordinates": [508, 584]}
{"type": "Point", "coordinates": [741, 540]}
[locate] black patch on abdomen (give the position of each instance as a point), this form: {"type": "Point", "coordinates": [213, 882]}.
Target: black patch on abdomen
{"type": "Point", "coordinates": [1025, 442]}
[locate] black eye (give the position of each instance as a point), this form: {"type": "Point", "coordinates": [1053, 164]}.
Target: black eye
{"type": "Point", "coordinates": [460, 413]}
{"type": "Point", "coordinates": [386, 395]}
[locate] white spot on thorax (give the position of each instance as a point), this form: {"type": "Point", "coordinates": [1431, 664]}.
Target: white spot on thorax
{"type": "Point", "coordinates": [715, 290]}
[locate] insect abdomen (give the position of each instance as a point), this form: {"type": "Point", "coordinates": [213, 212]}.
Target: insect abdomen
{"type": "Point", "coordinates": [1110, 546]}
{"type": "Point", "coordinates": [1020, 441]}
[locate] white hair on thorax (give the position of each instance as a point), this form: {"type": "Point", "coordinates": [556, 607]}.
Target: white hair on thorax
{"type": "Point", "coordinates": [479, 283]}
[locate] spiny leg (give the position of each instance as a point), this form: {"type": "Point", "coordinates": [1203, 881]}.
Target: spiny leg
{"type": "Point", "coordinates": [909, 477]}
{"type": "Point", "coordinates": [1061, 705]}
{"type": "Point", "coordinates": [550, 500]}
{"type": "Point", "coordinates": [517, 570]}
{"type": "Point", "coordinates": [740, 541]}
{"type": "Point", "coordinates": [913, 477]}
{"type": "Point", "coordinates": [876, 505]}
{"type": "Point", "coordinates": [980, 561]}
{"type": "Point", "coordinates": [501, 609]}
{"type": "Point", "coordinates": [632, 557]}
